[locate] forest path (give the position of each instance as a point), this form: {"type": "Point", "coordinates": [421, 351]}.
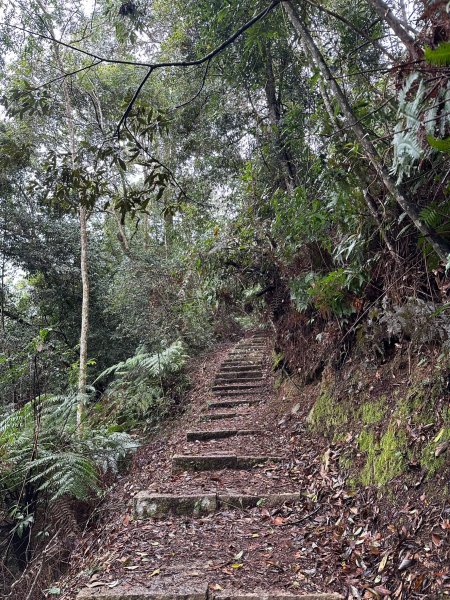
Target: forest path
{"type": "Point", "coordinates": [225, 511]}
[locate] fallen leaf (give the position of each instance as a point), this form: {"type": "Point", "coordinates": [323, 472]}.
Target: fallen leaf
{"type": "Point", "coordinates": [441, 449]}
{"type": "Point", "coordinates": [379, 589]}
{"type": "Point", "coordinates": [383, 562]}
{"type": "Point", "coordinates": [437, 540]}
{"type": "Point", "coordinates": [155, 572]}
{"type": "Point", "coordinates": [113, 584]}
{"type": "Point", "coordinates": [405, 564]}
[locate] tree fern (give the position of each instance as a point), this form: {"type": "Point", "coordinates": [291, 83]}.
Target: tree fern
{"type": "Point", "coordinates": [65, 473]}
{"type": "Point", "coordinates": [170, 360]}
{"type": "Point", "coordinates": [49, 455]}
{"type": "Point", "coordinates": [137, 393]}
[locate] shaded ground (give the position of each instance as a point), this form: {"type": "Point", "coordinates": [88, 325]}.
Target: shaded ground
{"type": "Point", "coordinates": [366, 544]}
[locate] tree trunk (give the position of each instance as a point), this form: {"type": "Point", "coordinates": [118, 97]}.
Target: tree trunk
{"type": "Point", "coordinates": [82, 373]}
{"type": "Point", "coordinates": [168, 229]}
{"type": "Point", "coordinates": [273, 105]}
{"type": "Point", "coordinates": [440, 246]}
{"type": "Point", "coordinates": [385, 12]}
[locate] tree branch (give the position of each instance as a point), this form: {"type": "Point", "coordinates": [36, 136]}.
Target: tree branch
{"type": "Point", "coordinates": [385, 12]}
{"type": "Point", "coordinates": [190, 63]}
{"type": "Point", "coordinates": [153, 66]}
{"type": "Point", "coordinates": [349, 24]}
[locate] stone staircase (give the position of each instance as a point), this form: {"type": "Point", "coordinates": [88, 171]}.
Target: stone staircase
{"type": "Point", "coordinates": [239, 386]}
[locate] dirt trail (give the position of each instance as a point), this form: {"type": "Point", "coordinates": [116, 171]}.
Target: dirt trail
{"type": "Point", "coordinates": [240, 501]}
{"type": "Point", "coordinates": [218, 531]}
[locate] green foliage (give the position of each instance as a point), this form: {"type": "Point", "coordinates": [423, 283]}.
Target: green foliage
{"type": "Point", "coordinates": [44, 452]}
{"type": "Point", "coordinates": [142, 389]}
{"type": "Point", "coordinates": [301, 288]}
{"type": "Point", "coordinates": [440, 56]}
{"type": "Point", "coordinates": [437, 144]}
{"type": "Point", "coordinates": [330, 294]}
{"type": "Point", "coordinates": [299, 219]}
{"type": "Point", "coordinates": [406, 145]}
{"type": "Point", "coordinates": [143, 364]}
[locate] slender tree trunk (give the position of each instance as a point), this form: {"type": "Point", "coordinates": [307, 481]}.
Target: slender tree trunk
{"type": "Point", "coordinates": [273, 105]}
{"type": "Point", "coordinates": [370, 202]}
{"type": "Point", "coordinates": [82, 373]}
{"type": "Point", "coordinates": [379, 221]}
{"type": "Point", "coordinates": [145, 232]}
{"type": "Point", "coordinates": [168, 229]}
{"type": "Point", "coordinates": [440, 246]}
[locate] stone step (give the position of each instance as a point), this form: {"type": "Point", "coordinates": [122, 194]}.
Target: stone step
{"type": "Point", "coordinates": [167, 589]}
{"type": "Point", "coordinates": [274, 595]}
{"type": "Point", "coordinates": [238, 376]}
{"type": "Point", "coordinates": [189, 462]}
{"type": "Point", "coordinates": [148, 504]}
{"type": "Point", "coordinates": [218, 416]}
{"type": "Point", "coordinates": [219, 434]}
{"type": "Point", "coordinates": [242, 363]}
{"type": "Point", "coordinates": [258, 353]}
{"type": "Point", "coordinates": [245, 356]}
{"type": "Point", "coordinates": [250, 355]}
{"type": "Point", "coordinates": [236, 380]}
{"type": "Point", "coordinates": [232, 403]}
{"type": "Point", "coordinates": [228, 387]}
{"type": "Point", "coordinates": [190, 591]}
{"type": "Point", "coordinates": [233, 393]}
{"type": "Point", "coordinates": [245, 369]}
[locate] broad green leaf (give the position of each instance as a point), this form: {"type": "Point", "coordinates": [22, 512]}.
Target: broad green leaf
{"type": "Point", "coordinates": [441, 145]}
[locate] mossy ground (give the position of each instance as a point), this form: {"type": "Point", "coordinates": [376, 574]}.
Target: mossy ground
{"type": "Point", "coordinates": [385, 457]}
{"type": "Point", "coordinates": [372, 412]}
{"type": "Point", "coordinates": [328, 413]}
{"type": "Point", "coordinates": [392, 430]}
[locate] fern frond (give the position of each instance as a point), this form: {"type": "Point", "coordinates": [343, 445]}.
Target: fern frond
{"type": "Point", "coordinates": [66, 473]}
{"type": "Point", "coordinates": [170, 360]}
